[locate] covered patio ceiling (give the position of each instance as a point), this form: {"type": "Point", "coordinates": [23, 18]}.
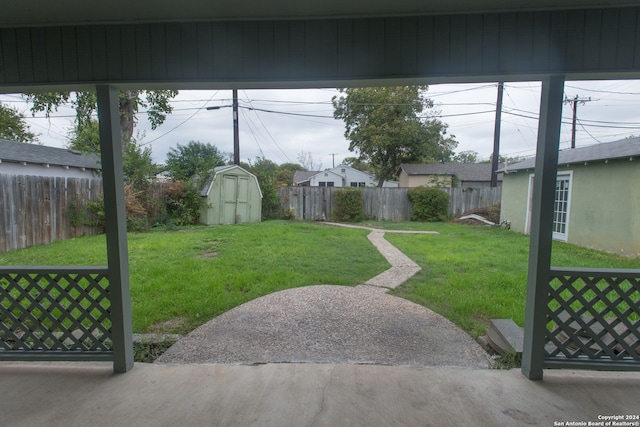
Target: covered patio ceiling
{"type": "Point", "coordinates": [37, 13]}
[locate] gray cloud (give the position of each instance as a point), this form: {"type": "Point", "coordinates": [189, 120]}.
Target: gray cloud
{"type": "Point", "coordinates": [280, 135]}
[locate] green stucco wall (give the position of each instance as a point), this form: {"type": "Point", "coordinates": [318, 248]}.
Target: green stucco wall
{"type": "Point", "coordinates": [604, 208]}
{"type": "Point", "coordinates": [515, 190]}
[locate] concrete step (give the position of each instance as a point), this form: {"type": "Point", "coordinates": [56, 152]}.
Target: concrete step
{"type": "Point", "coordinates": [505, 336]}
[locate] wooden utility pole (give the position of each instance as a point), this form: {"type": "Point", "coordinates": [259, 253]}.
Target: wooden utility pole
{"type": "Point", "coordinates": [575, 102]}
{"type": "Point", "coordinates": [333, 156]}
{"type": "Point", "coordinates": [236, 132]}
{"type": "Point", "coordinates": [495, 158]}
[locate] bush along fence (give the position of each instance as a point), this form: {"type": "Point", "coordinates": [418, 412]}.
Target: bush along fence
{"type": "Point", "coordinates": [38, 210]}
{"type": "Point", "coordinates": [384, 204]}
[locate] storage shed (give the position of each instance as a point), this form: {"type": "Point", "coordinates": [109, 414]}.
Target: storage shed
{"type": "Point", "coordinates": [231, 196]}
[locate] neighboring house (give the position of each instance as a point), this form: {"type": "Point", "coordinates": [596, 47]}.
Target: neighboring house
{"type": "Point", "coordinates": [19, 158]}
{"type": "Point", "coordinates": [446, 175]}
{"type": "Point", "coordinates": [339, 176]}
{"type": "Point", "coordinates": [597, 197]}
{"type": "Point", "coordinates": [231, 196]}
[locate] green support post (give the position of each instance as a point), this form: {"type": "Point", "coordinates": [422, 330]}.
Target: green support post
{"type": "Point", "coordinates": [115, 227]}
{"type": "Point", "coordinates": [544, 186]}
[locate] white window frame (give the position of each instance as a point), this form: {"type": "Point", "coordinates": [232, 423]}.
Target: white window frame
{"type": "Point", "coordinates": [563, 236]}
{"type": "Point", "coordinates": [568, 175]}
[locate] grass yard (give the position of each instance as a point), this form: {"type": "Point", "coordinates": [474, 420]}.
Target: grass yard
{"type": "Point", "coordinates": [472, 273]}
{"type": "Point", "coordinates": [181, 279]}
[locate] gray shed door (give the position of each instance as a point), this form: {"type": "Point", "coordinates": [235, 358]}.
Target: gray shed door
{"type": "Point", "coordinates": [235, 193]}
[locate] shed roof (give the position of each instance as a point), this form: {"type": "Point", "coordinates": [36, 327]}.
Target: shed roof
{"type": "Point", "coordinates": [464, 171]}
{"type": "Point", "coordinates": [11, 151]}
{"type": "Point", "coordinates": [204, 191]}
{"type": "Point", "coordinates": [620, 149]}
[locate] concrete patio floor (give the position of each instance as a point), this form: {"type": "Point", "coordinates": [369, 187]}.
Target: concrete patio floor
{"type": "Point", "coordinates": [89, 394]}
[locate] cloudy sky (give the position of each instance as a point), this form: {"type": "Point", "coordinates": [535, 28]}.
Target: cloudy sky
{"type": "Point", "coordinates": [298, 121]}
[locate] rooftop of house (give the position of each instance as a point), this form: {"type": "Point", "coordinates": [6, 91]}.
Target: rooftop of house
{"type": "Point", "coordinates": [621, 149]}
{"type": "Point", "coordinates": [464, 171]}
{"type": "Point", "coordinates": [303, 176]}
{"type": "Point", "coordinates": [19, 152]}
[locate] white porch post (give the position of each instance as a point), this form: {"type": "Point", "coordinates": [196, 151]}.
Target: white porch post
{"type": "Point", "coordinates": [544, 187]}
{"type": "Point", "coordinates": [115, 227]}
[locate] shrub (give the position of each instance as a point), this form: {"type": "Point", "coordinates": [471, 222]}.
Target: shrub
{"type": "Point", "coordinates": [95, 214]}
{"type": "Point", "coordinates": [429, 204]}
{"type": "Point", "coordinates": [349, 205]}
{"type": "Point", "coordinates": [183, 202]}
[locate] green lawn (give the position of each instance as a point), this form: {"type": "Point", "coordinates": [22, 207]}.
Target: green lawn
{"type": "Point", "coordinates": [181, 279]}
{"type": "Point", "coordinates": [472, 274]}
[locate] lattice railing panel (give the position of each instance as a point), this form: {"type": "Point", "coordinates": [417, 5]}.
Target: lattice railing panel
{"type": "Point", "coordinates": [593, 317]}
{"type": "Point", "coordinates": [54, 309]}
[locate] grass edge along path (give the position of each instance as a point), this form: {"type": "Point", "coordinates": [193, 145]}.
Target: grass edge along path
{"type": "Point", "coordinates": [471, 274]}
{"type": "Point", "coordinates": [181, 279]}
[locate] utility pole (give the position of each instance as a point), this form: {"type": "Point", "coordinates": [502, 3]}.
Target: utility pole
{"type": "Point", "coordinates": [333, 155]}
{"type": "Point", "coordinates": [575, 102]}
{"type": "Point", "coordinates": [236, 132]}
{"type": "Point", "coordinates": [495, 158]}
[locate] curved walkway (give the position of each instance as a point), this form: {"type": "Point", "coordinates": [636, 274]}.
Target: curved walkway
{"type": "Point", "coordinates": [334, 324]}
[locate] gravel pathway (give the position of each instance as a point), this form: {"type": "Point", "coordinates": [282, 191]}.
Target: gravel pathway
{"type": "Point", "coordinates": [334, 324]}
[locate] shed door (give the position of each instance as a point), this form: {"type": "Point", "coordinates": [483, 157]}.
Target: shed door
{"type": "Point", "coordinates": [235, 193]}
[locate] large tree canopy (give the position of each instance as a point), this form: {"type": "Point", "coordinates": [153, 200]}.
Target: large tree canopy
{"type": "Point", "coordinates": [85, 103]}
{"type": "Point", "coordinates": [13, 126]}
{"type": "Point", "coordinates": [195, 158]}
{"type": "Point", "coordinates": [388, 126]}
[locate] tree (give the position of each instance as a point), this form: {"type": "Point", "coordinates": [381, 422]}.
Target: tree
{"type": "Point", "coordinates": [466, 157]}
{"type": "Point", "coordinates": [137, 166]}
{"type": "Point", "coordinates": [265, 170]}
{"type": "Point", "coordinates": [86, 137]}
{"type": "Point", "coordinates": [85, 103]}
{"type": "Point", "coordinates": [286, 171]}
{"type": "Point", "coordinates": [195, 158]}
{"type": "Point", "coordinates": [388, 126]}
{"type": "Point", "coordinates": [307, 162]}
{"type": "Point", "coordinates": [13, 127]}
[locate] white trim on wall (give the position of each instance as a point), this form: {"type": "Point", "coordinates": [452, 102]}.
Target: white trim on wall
{"type": "Point", "coordinates": [562, 236]}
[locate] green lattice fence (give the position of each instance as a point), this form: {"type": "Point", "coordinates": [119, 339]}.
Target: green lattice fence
{"type": "Point", "coordinates": [593, 319]}
{"type": "Point", "coordinates": [55, 313]}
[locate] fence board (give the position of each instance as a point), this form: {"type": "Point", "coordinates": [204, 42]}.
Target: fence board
{"type": "Point", "coordinates": [384, 204]}
{"type": "Point", "coordinates": [35, 209]}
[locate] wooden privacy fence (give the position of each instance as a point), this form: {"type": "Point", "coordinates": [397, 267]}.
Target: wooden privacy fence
{"type": "Point", "coordinates": [384, 204]}
{"type": "Point", "coordinates": [37, 210]}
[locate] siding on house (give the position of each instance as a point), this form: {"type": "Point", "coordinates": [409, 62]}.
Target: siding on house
{"type": "Point", "coordinates": [327, 176]}
{"type": "Point", "coordinates": [446, 174]}
{"type": "Point", "coordinates": [339, 176]}
{"type": "Point", "coordinates": [604, 205]}
{"type": "Point", "coordinates": [410, 181]}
